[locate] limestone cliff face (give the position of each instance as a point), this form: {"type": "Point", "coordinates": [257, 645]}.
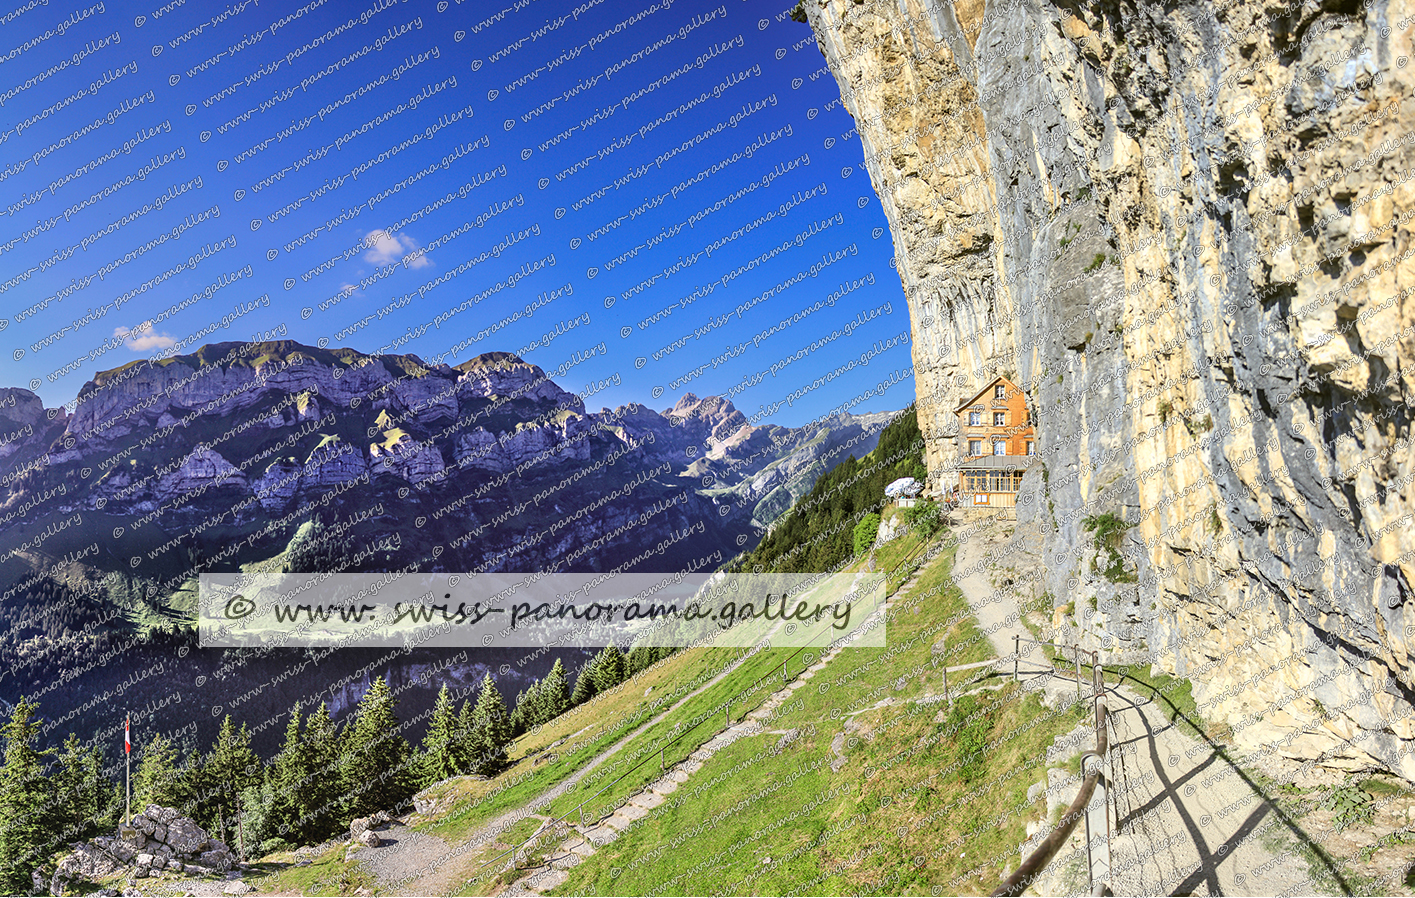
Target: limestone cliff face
{"type": "Point", "coordinates": [1184, 228]}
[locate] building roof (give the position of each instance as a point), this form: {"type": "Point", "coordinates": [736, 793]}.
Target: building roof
{"type": "Point", "coordinates": [978, 395]}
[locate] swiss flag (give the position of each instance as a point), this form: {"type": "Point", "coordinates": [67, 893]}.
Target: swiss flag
{"type": "Point", "coordinates": [127, 743]}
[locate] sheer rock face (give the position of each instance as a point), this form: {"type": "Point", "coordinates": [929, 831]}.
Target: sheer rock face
{"type": "Point", "coordinates": [203, 469]}
{"type": "Point", "coordinates": [1182, 230]}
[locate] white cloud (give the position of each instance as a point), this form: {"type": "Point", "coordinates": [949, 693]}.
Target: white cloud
{"type": "Point", "coordinates": [143, 337]}
{"type": "Point", "coordinates": [384, 247]}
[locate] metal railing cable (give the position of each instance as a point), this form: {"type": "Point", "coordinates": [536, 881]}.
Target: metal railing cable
{"type": "Point", "coordinates": [1046, 851]}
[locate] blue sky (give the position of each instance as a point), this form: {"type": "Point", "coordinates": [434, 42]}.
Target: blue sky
{"type": "Point", "coordinates": [640, 192]}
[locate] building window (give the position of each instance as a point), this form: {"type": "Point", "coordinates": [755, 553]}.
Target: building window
{"type": "Point", "coordinates": [999, 419]}
{"type": "Point", "coordinates": [1031, 448]}
{"type": "Point", "coordinates": [975, 419]}
{"type": "Point", "coordinates": [999, 392]}
{"type": "Point", "coordinates": [999, 447]}
{"type": "Point", "coordinates": [975, 447]}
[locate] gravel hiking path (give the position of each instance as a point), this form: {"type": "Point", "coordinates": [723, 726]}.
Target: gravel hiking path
{"type": "Point", "coordinates": [1186, 821]}
{"type": "Point", "coordinates": [418, 863]}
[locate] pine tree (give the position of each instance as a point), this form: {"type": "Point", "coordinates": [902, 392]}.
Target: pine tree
{"type": "Point", "coordinates": [519, 714]}
{"type": "Point", "coordinates": [229, 770]}
{"type": "Point", "coordinates": [24, 794]}
{"type": "Point", "coordinates": [375, 770]}
{"type": "Point", "coordinates": [157, 779]}
{"type": "Point", "coordinates": [586, 684]}
{"type": "Point", "coordinates": [287, 778]}
{"type": "Point", "coordinates": [611, 669]}
{"type": "Point", "coordinates": [491, 730]}
{"type": "Point", "coordinates": [554, 693]}
{"type": "Point", "coordinates": [319, 796]}
{"type": "Point", "coordinates": [440, 754]}
{"type": "Point", "coordinates": [80, 794]}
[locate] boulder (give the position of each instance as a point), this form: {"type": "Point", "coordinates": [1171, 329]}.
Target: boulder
{"type": "Point", "coordinates": [236, 887]}
{"type": "Point", "coordinates": [143, 823]}
{"type": "Point", "coordinates": [87, 861]}
{"type": "Point", "coordinates": [370, 838]}
{"type": "Point", "coordinates": [197, 870]}
{"type": "Point", "coordinates": [219, 860]}
{"type": "Point", "coordinates": [159, 832]}
{"type": "Point", "coordinates": [359, 825]}
{"type": "Point", "coordinates": [144, 860]}
{"type": "Point", "coordinates": [142, 872]}
{"type": "Point", "coordinates": [159, 814]}
{"type": "Point", "coordinates": [185, 836]}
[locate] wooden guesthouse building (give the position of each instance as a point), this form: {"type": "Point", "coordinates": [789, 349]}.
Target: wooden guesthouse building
{"type": "Point", "coordinates": [996, 443]}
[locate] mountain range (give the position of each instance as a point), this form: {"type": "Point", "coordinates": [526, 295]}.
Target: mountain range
{"type": "Point", "coordinates": [277, 455]}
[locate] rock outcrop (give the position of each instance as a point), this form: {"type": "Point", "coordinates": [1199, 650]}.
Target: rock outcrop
{"type": "Point", "coordinates": [1184, 230]}
{"type": "Point", "coordinates": [159, 839]}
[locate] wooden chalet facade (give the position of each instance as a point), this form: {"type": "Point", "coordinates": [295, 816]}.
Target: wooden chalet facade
{"type": "Point", "coordinates": [996, 443]}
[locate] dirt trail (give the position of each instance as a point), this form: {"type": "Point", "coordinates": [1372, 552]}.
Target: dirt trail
{"type": "Point", "coordinates": [417, 863]}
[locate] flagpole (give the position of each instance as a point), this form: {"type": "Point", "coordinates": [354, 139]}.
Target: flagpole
{"type": "Point", "coordinates": [128, 766]}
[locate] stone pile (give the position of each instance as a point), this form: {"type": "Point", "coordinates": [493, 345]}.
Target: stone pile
{"type": "Point", "coordinates": [157, 840]}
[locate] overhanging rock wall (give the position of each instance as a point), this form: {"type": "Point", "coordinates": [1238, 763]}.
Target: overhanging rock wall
{"type": "Point", "coordinates": [1183, 229]}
